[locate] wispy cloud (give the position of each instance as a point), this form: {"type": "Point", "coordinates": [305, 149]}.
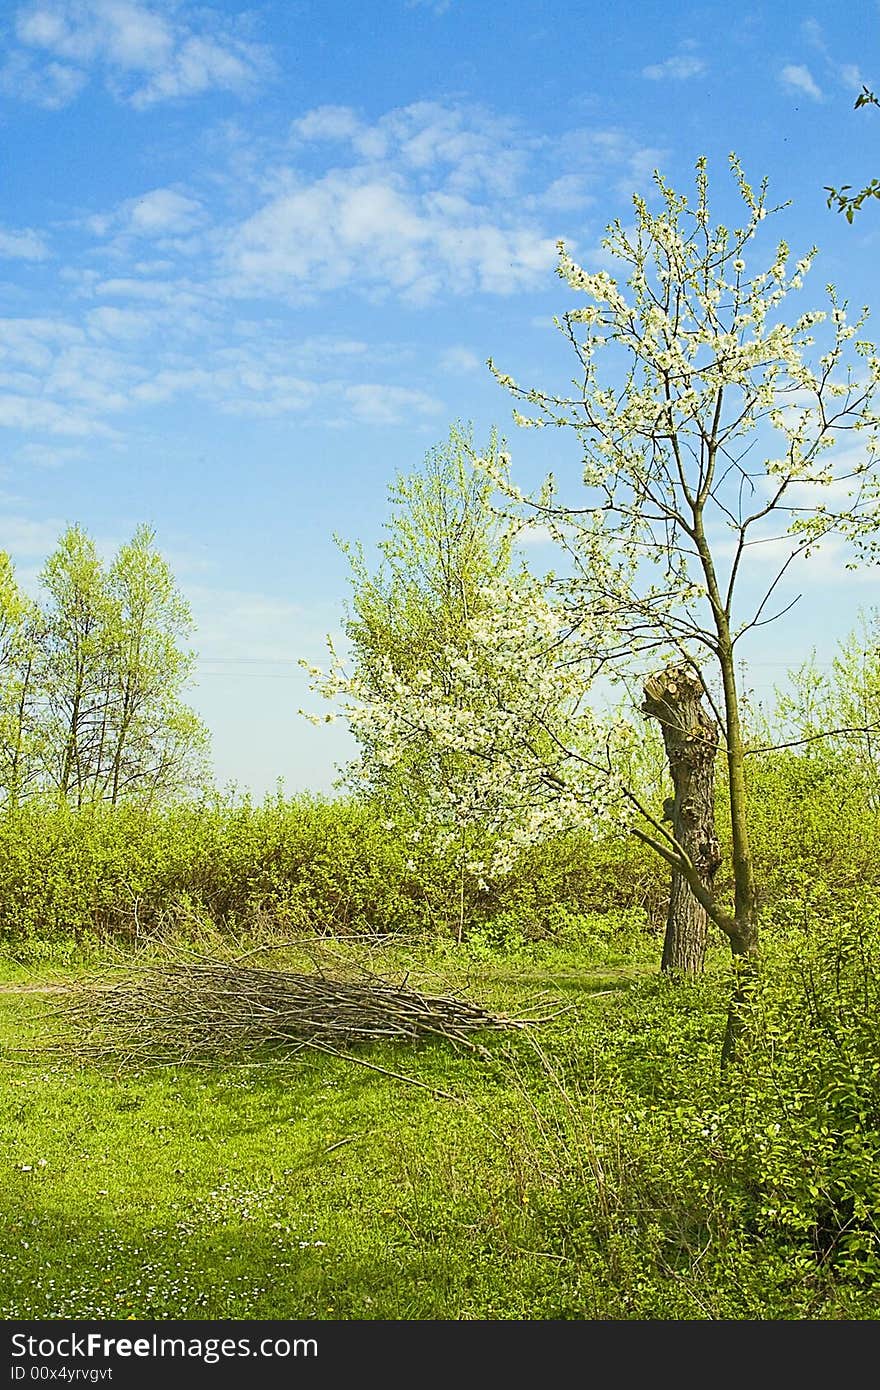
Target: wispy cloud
{"type": "Point", "coordinates": [161, 212]}
{"type": "Point", "coordinates": [432, 198]}
{"type": "Point", "coordinates": [601, 157]}
{"type": "Point", "coordinates": [144, 52]}
{"type": "Point", "coordinates": [466, 146]}
{"type": "Point", "coordinates": [49, 455]}
{"type": "Point", "coordinates": [459, 360]}
{"type": "Point", "coordinates": [22, 245]}
{"type": "Point", "coordinates": [377, 404]}
{"type": "Point", "coordinates": [48, 84]}
{"type": "Point", "coordinates": [21, 536]}
{"type": "Point", "coordinates": [797, 79]}
{"type": "Point", "coordinates": [80, 380]}
{"type": "Point", "coordinates": [437, 7]}
{"type": "Point", "coordinates": [175, 299]}
{"type": "Point", "coordinates": [846, 74]}
{"type": "Point", "coordinates": [678, 68]}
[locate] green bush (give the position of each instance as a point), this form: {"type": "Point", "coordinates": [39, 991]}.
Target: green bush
{"type": "Point", "coordinates": [300, 865]}
{"type": "Point", "coordinates": [749, 1192]}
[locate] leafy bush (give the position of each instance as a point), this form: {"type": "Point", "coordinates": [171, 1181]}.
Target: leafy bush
{"type": "Point", "coordinates": [753, 1192]}
{"type": "Point", "coordinates": [302, 865]}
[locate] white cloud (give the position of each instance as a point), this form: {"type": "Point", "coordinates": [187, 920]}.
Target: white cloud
{"type": "Point", "coordinates": [376, 404]}
{"type": "Point", "coordinates": [460, 360]}
{"type": "Point", "coordinates": [59, 378]}
{"type": "Point", "coordinates": [374, 232]}
{"type": "Point", "coordinates": [466, 146]}
{"type": "Point", "coordinates": [29, 539]}
{"type": "Point", "coordinates": [235, 625]}
{"type": "Point", "coordinates": [161, 212]}
{"type": "Point", "coordinates": [847, 74]}
{"type": "Point", "coordinates": [202, 64]}
{"type": "Point", "coordinates": [825, 565]}
{"type": "Point", "coordinates": [565, 194]}
{"type": "Point", "coordinates": [130, 287]}
{"type": "Point", "coordinates": [146, 52]}
{"type": "Point", "coordinates": [534, 535]}
{"type": "Point", "coordinates": [127, 34]}
{"type": "Point", "coordinates": [436, 7]}
{"type": "Point", "coordinates": [851, 76]}
{"type": "Point", "coordinates": [609, 155]}
{"type": "Point", "coordinates": [326, 123]}
{"type": "Point", "coordinates": [23, 245]}
{"type": "Point", "coordinates": [111, 322]}
{"type": "Point", "coordinates": [797, 78]}
{"type": "Point", "coordinates": [431, 200]}
{"type": "Point", "coordinates": [49, 455]}
{"type": "Point", "coordinates": [50, 84]}
{"type": "Point", "coordinates": [678, 68]}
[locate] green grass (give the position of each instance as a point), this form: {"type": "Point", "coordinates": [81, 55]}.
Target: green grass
{"type": "Point", "coordinates": [610, 1174]}
{"type": "Point", "coordinates": [319, 1189]}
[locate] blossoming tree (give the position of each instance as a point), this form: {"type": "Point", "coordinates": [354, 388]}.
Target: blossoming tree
{"type": "Point", "coordinates": [712, 462]}
{"type": "Point", "coordinates": [453, 687]}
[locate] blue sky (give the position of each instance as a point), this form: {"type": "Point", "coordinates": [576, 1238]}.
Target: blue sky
{"type": "Point", "coordinates": [253, 260]}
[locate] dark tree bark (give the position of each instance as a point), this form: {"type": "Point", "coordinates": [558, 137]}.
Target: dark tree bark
{"type": "Point", "coordinates": [674, 698]}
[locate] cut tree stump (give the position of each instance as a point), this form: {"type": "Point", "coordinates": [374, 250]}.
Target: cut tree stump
{"type": "Point", "coordinates": [674, 697]}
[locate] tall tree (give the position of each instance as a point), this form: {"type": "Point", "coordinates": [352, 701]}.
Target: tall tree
{"type": "Point", "coordinates": [76, 669]}
{"type": "Point", "coordinates": [711, 433]}
{"type": "Point", "coordinates": [443, 545]}
{"type": "Point", "coordinates": [155, 743]}
{"type": "Point", "coordinates": [20, 646]}
{"type": "Point", "coordinates": [112, 674]}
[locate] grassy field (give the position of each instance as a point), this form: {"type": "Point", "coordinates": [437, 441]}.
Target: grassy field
{"type": "Point", "coordinates": [566, 1175]}
{"type": "Point", "coordinates": [319, 1189]}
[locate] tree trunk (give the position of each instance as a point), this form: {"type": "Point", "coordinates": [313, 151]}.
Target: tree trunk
{"type": "Point", "coordinates": [674, 698]}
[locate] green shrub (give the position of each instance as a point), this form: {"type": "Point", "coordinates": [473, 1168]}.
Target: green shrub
{"type": "Point", "coordinates": [301, 865]}
{"type": "Point", "coordinates": [752, 1192]}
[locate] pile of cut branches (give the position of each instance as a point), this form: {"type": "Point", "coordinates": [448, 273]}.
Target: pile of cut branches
{"type": "Point", "coordinates": [205, 1010]}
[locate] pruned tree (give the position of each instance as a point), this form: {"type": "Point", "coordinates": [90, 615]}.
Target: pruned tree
{"type": "Point", "coordinates": [674, 698]}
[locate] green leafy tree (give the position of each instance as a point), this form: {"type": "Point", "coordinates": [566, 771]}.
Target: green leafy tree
{"type": "Point", "coordinates": [418, 622]}
{"type": "Point", "coordinates": [111, 675]}
{"type": "Point", "coordinates": [836, 714]}
{"type": "Point", "coordinates": [20, 645]}
{"type": "Point", "coordinates": [154, 743]}
{"type": "Point", "coordinates": [75, 670]}
{"type": "Point", "coordinates": [444, 544]}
